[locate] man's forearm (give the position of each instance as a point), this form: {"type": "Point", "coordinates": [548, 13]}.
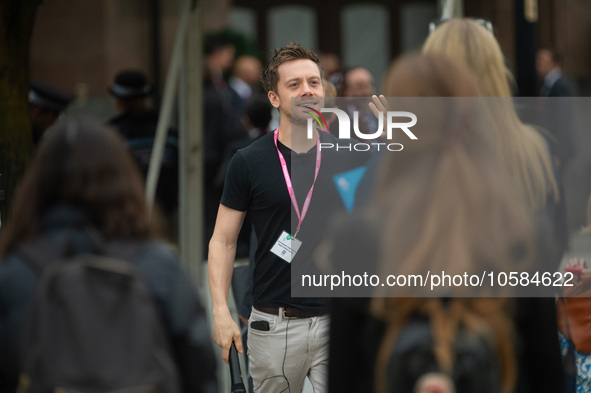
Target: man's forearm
{"type": "Point", "coordinates": [220, 266]}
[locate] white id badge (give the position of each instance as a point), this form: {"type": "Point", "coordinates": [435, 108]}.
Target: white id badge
{"type": "Point", "coordinates": [286, 247]}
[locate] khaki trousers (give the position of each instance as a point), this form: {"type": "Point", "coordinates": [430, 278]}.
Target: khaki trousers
{"type": "Point", "coordinates": [292, 349]}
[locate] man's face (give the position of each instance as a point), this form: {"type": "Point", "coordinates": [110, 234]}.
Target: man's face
{"type": "Point", "coordinates": [359, 83]}
{"type": "Point", "coordinates": [544, 63]}
{"type": "Point", "coordinates": [300, 80]}
{"type": "Point", "coordinates": [222, 58]}
{"type": "Point", "coordinates": [249, 69]}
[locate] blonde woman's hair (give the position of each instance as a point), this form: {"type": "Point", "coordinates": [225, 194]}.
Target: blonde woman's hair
{"type": "Point", "coordinates": [444, 206]}
{"type": "Point", "coordinates": [458, 205]}
{"type": "Point", "coordinates": [518, 145]}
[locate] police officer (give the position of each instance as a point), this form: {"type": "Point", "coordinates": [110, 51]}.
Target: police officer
{"type": "Point", "coordinates": [46, 105]}
{"type": "Point", "coordinates": [137, 122]}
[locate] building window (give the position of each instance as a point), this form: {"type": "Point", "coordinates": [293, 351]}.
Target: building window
{"type": "Point", "coordinates": [292, 23]}
{"type": "Point", "coordinates": [414, 22]}
{"type": "Point", "coordinates": [366, 40]}
{"type": "Point", "coordinates": [244, 20]}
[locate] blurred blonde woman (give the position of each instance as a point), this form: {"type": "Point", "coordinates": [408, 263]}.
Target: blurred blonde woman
{"type": "Point", "coordinates": [441, 204]}
{"type": "Point", "coordinates": [520, 146]}
{"type": "Point", "coordinates": [448, 209]}
{"type": "Point", "coordinates": [526, 155]}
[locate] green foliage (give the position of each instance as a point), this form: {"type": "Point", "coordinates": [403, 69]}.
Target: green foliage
{"type": "Point", "coordinates": [243, 45]}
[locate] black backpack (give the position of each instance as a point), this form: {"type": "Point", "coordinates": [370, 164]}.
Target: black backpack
{"type": "Point", "coordinates": [93, 326]}
{"type": "Point", "coordinates": [475, 353]}
{"type": "Point", "coordinates": [475, 363]}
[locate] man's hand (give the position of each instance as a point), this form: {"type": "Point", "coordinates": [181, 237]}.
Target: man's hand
{"type": "Point", "coordinates": [224, 331]}
{"type": "Point", "coordinates": [379, 105]}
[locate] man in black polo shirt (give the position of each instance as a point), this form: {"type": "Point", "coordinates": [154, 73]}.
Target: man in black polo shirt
{"type": "Point", "coordinates": [285, 181]}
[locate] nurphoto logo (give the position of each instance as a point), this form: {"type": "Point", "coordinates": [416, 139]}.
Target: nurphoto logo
{"type": "Point", "coordinates": [392, 119]}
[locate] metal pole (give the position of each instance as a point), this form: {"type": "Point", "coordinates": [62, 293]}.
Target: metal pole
{"type": "Point", "coordinates": [192, 168]}
{"type": "Point", "coordinates": [525, 47]}
{"type": "Point", "coordinates": [165, 111]}
{"type": "Point", "coordinates": [192, 145]}
{"type": "Point", "coordinates": [452, 9]}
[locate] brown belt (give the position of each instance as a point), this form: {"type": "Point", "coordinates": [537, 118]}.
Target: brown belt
{"type": "Point", "coordinates": [290, 312]}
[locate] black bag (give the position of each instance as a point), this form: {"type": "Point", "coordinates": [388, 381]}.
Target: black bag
{"type": "Point", "coordinates": [475, 364]}
{"type": "Point", "coordinates": [465, 344]}
{"type": "Point", "coordinates": [93, 327]}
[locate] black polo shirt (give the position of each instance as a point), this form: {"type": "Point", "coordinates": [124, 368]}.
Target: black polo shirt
{"type": "Point", "coordinates": [255, 183]}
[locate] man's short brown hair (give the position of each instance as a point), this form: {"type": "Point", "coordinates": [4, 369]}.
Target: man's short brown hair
{"type": "Point", "coordinates": [292, 51]}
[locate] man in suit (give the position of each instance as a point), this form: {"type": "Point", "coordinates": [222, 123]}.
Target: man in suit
{"type": "Point", "coordinates": [558, 115]}
{"type": "Point", "coordinates": [549, 67]}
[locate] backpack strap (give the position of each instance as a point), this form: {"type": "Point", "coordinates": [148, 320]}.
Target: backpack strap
{"type": "Point", "coordinates": [125, 250]}
{"type": "Point", "coordinates": [41, 252]}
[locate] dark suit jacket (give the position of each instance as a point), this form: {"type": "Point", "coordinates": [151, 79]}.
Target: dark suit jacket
{"type": "Point", "coordinates": [562, 88]}
{"type": "Point", "coordinates": [559, 121]}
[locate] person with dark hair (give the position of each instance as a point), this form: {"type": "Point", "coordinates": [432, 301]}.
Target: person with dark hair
{"type": "Point", "coordinates": [219, 55]}
{"type": "Point", "coordinates": [82, 182]}
{"type": "Point", "coordinates": [137, 122]}
{"type": "Point", "coordinates": [46, 105]}
{"type": "Point", "coordinates": [257, 116]}
{"type": "Point", "coordinates": [287, 336]}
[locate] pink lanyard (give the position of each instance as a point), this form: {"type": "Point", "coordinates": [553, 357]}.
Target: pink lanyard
{"type": "Point", "coordinates": [292, 196]}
